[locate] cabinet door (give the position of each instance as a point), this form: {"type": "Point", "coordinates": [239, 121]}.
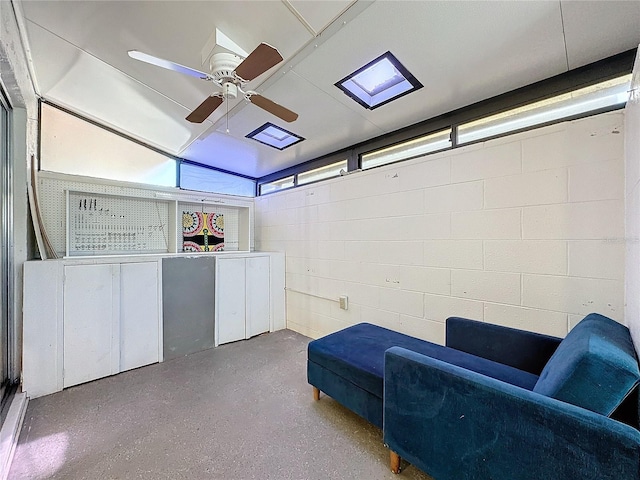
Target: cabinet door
{"type": "Point", "coordinates": [257, 296]}
{"type": "Point", "coordinates": [91, 336]}
{"type": "Point", "coordinates": [188, 307]}
{"type": "Point", "coordinates": [139, 315]}
{"type": "Point", "coordinates": [42, 329]}
{"type": "Point", "coordinates": [278, 308]}
{"type": "Point", "coordinates": [230, 300]}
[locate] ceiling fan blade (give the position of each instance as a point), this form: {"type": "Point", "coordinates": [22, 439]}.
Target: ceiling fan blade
{"type": "Point", "coordinates": [205, 109]}
{"type": "Point", "coordinates": [259, 61]}
{"type": "Point", "coordinates": [160, 62]}
{"type": "Point", "coordinates": [272, 107]}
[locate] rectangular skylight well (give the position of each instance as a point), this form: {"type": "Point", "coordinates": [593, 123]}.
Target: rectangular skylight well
{"type": "Point", "coordinates": [275, 136]}
{"type": "Point", "coordinates": [379, 82]}
{"type": "Point", "coordinates": [601, 95]}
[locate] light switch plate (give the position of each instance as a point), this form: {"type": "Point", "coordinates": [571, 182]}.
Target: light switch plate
{"type": "Point", "coordinates": [344, 302]}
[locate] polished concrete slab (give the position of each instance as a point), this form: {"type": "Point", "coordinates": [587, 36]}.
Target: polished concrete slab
{"type": "Point", "coordinates": [239, 411]}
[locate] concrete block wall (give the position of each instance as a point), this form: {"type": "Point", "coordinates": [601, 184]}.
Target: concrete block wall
{"type": "Point", "coordinates": [525, 231]}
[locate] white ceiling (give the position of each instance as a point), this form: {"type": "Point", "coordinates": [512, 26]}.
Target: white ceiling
{"type": "Point", "coordinates": [462, 52]}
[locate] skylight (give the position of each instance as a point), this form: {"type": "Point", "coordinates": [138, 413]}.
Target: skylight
{"type": "Point", "coordinates": [380, 81]}
{"type": "Point", "coordinates": [274, 136]}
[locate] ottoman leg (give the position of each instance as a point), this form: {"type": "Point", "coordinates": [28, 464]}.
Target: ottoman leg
{"type": "Point", "coordinates": [395, 461]}
{"type": "Point", "coordinates": [316, 393]}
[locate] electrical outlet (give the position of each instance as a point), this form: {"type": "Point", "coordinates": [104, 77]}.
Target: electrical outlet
{"type": "Point", "coordinates": [344, 302]}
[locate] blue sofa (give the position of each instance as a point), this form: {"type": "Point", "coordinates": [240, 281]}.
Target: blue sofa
{"type": "Point", "coordinates": [494, 403]}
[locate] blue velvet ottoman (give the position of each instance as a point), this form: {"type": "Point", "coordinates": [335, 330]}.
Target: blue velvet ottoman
{"type": "Point", "coordinates": [349, 366]}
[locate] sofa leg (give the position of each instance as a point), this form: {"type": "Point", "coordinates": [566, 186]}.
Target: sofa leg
{"type": "Point", "coordinates": [316, 393]}
{"type": "Point", "coordinates": [395, 461]}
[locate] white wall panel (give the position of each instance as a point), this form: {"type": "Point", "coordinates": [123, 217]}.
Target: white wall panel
{"type": "Point", "coordinates": [440, 307]}
{"type": "Point", "coordinates": [425, 279]}
{"type": "Point", "coordinates": [454, 198]}
{"type": "Point", "coordinates": [427, 172]}
{"type": "Point", "coordinates": [574, 295]}
{"type": "Point", "coordinates": [548, 186]}
{"type": "Point", "coordinates": [453, 253]}
{"type": "Point", "coordinates": [526, 256]}
{"type": "Point", "coordinates": [589, 220]}
{"type": "Point", "coordinates": [607, 258]}
{"type": "Point", "coordinates": [596, 181]}
{"type": "Point", "coordinates": [540, 321]}
{"type": "Point", "coordinates": [490, 286]}
{"type": "Point", "coordinates": [632, 207]}
{"type": "Point", "coordinates": [486, 224]}
{"type": "Point", "coordinates": [480, 163]}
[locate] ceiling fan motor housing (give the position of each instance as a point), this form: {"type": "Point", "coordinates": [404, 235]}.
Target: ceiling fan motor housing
{"type": "Point", "coordinates": [223, 66]}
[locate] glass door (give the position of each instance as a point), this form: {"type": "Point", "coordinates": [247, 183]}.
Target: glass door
{"type": "Point", "coordinates": [6, 251]}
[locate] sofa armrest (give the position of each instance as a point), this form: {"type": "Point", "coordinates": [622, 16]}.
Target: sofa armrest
{"type": "Point", "coordinates": [528, 351]}
{"type": "Point", "coordinates": [456, 424]}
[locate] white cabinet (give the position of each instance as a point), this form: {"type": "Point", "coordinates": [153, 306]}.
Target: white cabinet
{"type": "Point", "coordinates": [139, 315]}
{"type": "Point", "coordinates": [230, 302]}
{"type": "Point", "coordinates": [243, 298]}
{"type": "Point", "coordinates": [83, 321]}
{"type": "Point", "coordinates": [110, 319]}
{"type": "Point", "coordinates": [88, 318]}
{"type": "Point", "coordinates": [91, 327]}
{"type": "Point", "coordinates": [258, 296]}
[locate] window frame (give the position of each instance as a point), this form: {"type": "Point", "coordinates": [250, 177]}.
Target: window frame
{"type": "Point", "coordinates": [585, 76]}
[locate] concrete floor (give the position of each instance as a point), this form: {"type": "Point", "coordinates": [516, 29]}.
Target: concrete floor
{"type": "Point", "coordinates": [239, 411]}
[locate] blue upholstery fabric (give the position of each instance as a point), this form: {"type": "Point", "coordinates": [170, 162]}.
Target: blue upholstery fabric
{"type": "Point", "coordinates": [357, 355]}
{"type": "Point", "coordinates": [595, 366]}
{"type": "Point", "coordinates": [455, 424]}
{"type": "Point", "coordinates": [520, 349]}
{"type": "Point", "coordinates": [359, 401]}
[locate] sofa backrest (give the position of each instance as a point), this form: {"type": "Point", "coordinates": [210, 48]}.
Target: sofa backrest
{"type": "Point", "coordinates": [594, 367]}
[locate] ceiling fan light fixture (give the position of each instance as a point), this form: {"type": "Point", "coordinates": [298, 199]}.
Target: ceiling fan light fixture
{"type": "Point", "coordinates": [274, 136]}
{"type": "Point", "coordinates": [379, 82]}
{"type": "Point", "coordinates": [229, 90]}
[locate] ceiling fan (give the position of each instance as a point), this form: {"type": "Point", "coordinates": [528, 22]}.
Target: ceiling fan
{"type": "Point", "coordinates": [231, 74]}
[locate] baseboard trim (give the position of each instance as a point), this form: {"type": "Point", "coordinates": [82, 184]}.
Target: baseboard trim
{"type": "Point", "coordinates": [10, 432]}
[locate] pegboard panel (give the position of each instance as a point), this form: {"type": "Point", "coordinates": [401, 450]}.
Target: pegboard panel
{"type": "Point", "coordinates": [132, 202]}
{"type": "Point", "coordinates": [113, 225]}
{"type": "Point", "coordinates": [231, 222]}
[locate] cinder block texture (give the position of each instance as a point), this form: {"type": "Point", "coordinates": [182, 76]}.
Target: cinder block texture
{"type": "Point", "coordinates": [526, 231]}
{"type": "Point", "coordinates": [526, 256]}
{"type": "Point", "coordinates": [488, 162]}
{"type": "Point", "coordinates": [486, 286]}
{"type": "Point", "coordinates": [537, 188]}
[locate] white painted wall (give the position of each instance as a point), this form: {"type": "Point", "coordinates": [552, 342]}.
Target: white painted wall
{"type": "Point", "coordinates": [525, 231]}
{"type": "Point", "coordinates": [632, 206]}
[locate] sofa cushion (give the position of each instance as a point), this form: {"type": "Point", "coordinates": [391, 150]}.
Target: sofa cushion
{"type": "Point", "coordinates": [594, 367]}
{"type": "Point", "coordinates": [357, 355]}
